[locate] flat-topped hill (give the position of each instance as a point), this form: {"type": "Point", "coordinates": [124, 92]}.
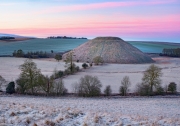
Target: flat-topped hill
{"type": "Point", "coordinates": [111, 49]}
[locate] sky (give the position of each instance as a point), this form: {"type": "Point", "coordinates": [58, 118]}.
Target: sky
{"type": "Point", "coordinates": [135, 20]}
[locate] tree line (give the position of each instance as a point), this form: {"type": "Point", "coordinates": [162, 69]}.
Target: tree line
{"type": "Point", "coordinates": [32, 81]}
{"type": "Point", "coordinates": [171, 52]}
{"type": "Point", "coordinates": [31, 54]}
{"type": "Point", "coordinates": [6, 38]}
{"type": "Point", "coordinates": [64, 37]}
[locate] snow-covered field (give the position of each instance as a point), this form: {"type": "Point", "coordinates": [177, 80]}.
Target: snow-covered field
{"type": "Point", "coordinates": [67, 111]}
{"type": "Point", "coordinates": [109, 74]}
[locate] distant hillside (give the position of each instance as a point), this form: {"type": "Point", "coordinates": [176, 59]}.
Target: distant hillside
{"type": "Point", "coordinates": [13, 38]}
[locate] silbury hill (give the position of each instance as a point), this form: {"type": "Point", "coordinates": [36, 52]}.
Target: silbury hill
{"type": "Point", "coordinates": [111, 49]}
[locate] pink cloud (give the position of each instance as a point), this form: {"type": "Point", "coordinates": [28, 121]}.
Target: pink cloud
{"type": "Point", "coordinates": [139, 26]}
{"type": "Point", "coordinates": [103, 5]}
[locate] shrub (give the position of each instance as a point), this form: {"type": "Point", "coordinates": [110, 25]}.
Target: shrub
{"type": "Point", "coordinates": [172, 87]}
{"type": "Point", "coordinates": [108, 90]}
{"type": "Point", "coordinates": [143, 90]}
{"type": "Point", "coordinates": [67, 72]}
{"type": "Point", "coordinates": [58, 57]}
{"type": "Point", "coordinates": [10, 88]}
{"type": "Point", "coordinates": [60, 73]}
{"type": "Point", "coordinates": [159, 91]}
{"type": "Point", "coordinates": [97, 60]}
{"type": "Point", "coordinates": [77, 68]}
{"type": "Point", "coordinates": [71, 68]}
{"type": "Point", "coordinates": [57, 74]}
{"type": "Point", "coordinates": [84, 65]}
{"type": "Point", "coordinates": [89, 86]}
{"type": "Point", "coordinates": [90, 64]}
{"type": "Point", "coordinates": [125, 84]}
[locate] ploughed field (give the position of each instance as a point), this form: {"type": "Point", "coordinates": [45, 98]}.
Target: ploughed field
{"type": "Point", "coordinates": [67, 111]}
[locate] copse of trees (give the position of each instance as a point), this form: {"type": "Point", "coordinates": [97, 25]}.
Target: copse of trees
{"type": "Point", "coordinates": [6, 38]}
{"type": "Point", "coordinates": [36, 54]}
{"type": "Point", "coordinates": [171, 52]}
{"type": "Point", "coordinates": [18, 53]}
{"type": "Point", "coordinates": [32, 81]}
{"type": "Point", "coordinates": [64, 37]}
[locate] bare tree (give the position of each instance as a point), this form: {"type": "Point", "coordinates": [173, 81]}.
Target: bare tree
{"type": "Point", "coordinates": [125, 84]}
{"type": "Point", "coordinates": [59, 87]}
{"type": "Point", "coordinates": [89, 86]}
{"type": "Point", "coordinates": [46, 84]}
{"type": "Point", "coordinates": [152, 77]}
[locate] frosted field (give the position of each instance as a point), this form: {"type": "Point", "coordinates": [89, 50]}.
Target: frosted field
{"type": "Point", "coordinates": [109, 74]}
{"type": "Point", "coordinates": [74, 111]}
{"type": "Point", "coordinates": [66, 111]}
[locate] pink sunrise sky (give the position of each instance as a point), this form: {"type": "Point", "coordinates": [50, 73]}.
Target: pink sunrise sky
{"type": "Point", "coordinates": [151, 20]}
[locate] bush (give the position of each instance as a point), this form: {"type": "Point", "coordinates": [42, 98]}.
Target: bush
{"type": "Point", "coordinates": [77, 68]}
{"type": "Point", "coordinates": [84, 65]}
{"type": "Point", "coordinates": [60, 73]}
{"type": "Point", "coordinates": [89, 86]}
{"type": "Point", "coordinates": [10, 88]}
{"type": "Point", "coordinates": [58, 57]}
{"type": "Point", "coordinates": [143, 90]}
{"type": "Point", "coordinates": [67, 72]}
{"type": "Point", "coordinates": [159, 91]}
{"type": "Point", "coordinates": [108, 90]}
{"type": "Point", "coordinates": [97, 60]}
{"type": "Point", "coordinates": [90, 64]}
{"type": "Point", "coordinates": [172, 87]}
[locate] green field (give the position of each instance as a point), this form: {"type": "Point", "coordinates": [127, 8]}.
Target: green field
{"type": "Point", "coordinates": [61, 45]}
